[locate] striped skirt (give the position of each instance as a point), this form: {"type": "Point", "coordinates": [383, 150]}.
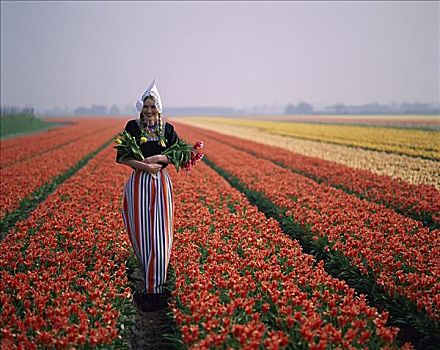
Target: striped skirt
{"type": "Point", "coordinates": [147, 209]}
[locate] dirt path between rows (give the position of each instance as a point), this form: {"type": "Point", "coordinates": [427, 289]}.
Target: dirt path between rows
{"type": "Point", "coordinates": [150, 327]}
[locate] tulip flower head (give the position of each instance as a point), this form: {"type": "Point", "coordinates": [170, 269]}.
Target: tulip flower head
{"type": "Point", "coordinates": [198, 145]}
{"type": "Point", "coordinates": [183, 155]}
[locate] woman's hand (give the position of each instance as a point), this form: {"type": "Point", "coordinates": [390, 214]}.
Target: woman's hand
{"type": "Point", "coordinates": [142, 165]}
{"type": "Point", "coordinates": [153, 168]}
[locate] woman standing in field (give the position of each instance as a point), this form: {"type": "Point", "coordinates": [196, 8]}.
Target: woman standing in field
{"type": "Point", "coordinates": [147, 205]}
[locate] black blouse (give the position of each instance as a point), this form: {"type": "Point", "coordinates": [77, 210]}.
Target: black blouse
{"type": "Point", "coordinates": [149, 148]}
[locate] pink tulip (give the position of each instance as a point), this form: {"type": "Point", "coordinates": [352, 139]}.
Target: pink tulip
{"type": "Point", "coordinates": [198, 145]}
{"type": "Point", "coordinates": [199, 156]}
{"type": "Point", "coordinates": [187, 167]}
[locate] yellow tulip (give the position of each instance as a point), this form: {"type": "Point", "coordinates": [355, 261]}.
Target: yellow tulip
{"type": "Point", "coordinates": [143, 139]}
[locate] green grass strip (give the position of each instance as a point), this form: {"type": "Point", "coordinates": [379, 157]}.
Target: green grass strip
{"type": "Point", "coordinates": [29, 203]}
{"type": "Point", "coordinates": [415, 326]}
{"type": "Point", "coordinates": [22, 124]}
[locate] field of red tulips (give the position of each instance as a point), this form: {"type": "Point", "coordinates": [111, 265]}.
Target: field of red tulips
{"type": "Point", "coordinates": [62, 271]}
{"type": "Point", "coordinates": [43, 163]}
{"type": "Point", "coordinates": [396, 253]}
{"type": "Point", "coordinates": [421, 202]}
{"type": "Point", "coordinates": [14, 150]}
{"type": "Point", "coordinates": [264, 256]}
{"type": "Point", "coordinates": [242, 283]}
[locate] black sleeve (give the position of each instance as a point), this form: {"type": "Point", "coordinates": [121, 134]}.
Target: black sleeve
{"type": "Point", "coordinates": [171, 135]}
{"type": "Point", "coordinates": [130, 128]}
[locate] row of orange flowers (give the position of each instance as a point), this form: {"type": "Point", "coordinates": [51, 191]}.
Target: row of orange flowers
{"type": "Point", "coordinates": [398, 253]}
{"type": "Point", "coordinates": [17, 149]}
{"type": "Point", "coordinates": [242, 283]}
{"type": "Point", "coordinates": [421, 202]}
{"type": "Point", "coordinates": [36, 137]}
{"type": "Point", "coordinates": [21, 179]}
{"type": "Point", "coordinates": [62, 271]}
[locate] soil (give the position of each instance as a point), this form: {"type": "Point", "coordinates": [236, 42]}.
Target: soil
{"type": "Point", "coordinates": [150, 328]}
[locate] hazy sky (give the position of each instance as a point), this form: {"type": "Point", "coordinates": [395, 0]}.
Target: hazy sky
{"type": "Point", "coordinates": [238, 54]}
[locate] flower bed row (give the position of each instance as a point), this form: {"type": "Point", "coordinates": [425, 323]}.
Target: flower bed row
{"type": "Point", "coordinates": [242, 283]}
{"type": "Point", "coordinates": [18, 149]}
{"type": "Point", "coordinates": [20, 180]}
{"type": "Point", "coordinates": [410, 169]}
{"type": "Point", "coordinates": [395, 252]}
{"type": "Point", "coordinates": [35, 137]}
{"type": "Point", "coordinates": [421, 202]}
{"type": "Point", "coordinates": [62, 271]}
{"type": "Point", "coordinates": [413, 143]}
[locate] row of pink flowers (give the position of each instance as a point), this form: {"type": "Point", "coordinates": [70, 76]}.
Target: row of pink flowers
{"type": "Point", "coordinates": [21, 179]}
{"type": "Point", "coordinates": [242, 283]}
{"type": "Point", "coordinates": [414, 200]}
{"type": "Point", "coordinates": [62, 271]}
{"type": "Point", "coordinates": [399, 253]}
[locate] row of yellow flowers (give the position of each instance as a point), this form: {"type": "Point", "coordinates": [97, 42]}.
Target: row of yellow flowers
{"type": "Point", "coordinates": [415, 143]}
{"type": "Point", "coordinates": [411, 169]}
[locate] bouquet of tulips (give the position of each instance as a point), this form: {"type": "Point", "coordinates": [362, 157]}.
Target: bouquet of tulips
{"type": "Point", "coordinates": [183, 155]}
{"type": "Point", "coordinates": [128, 145]}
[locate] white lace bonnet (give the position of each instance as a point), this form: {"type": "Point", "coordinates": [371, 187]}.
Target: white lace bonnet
{"type": "Point", "coordinates": [150, 91]}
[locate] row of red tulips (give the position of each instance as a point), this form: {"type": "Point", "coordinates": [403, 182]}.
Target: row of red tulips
{"type": "Point", "coordinates": [398, 253]}
{"type": "Point", "coordinates": [38, 136]}
{"type": "Point", "coordinates": [62, 271]}
{"type": "Point", "coordinates": [18, 149]}
{"type": "Point", "coordinates": [421, 202]}
{"type": "Point", "coordinates": [20, 180]}
{"type": "Point", "coordinates": [242, 283]}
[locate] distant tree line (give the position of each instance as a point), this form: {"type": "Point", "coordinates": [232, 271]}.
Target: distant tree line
{"type": "Point", "coordinates": [369, 108]}
{"type": "Point", "coordinates": [96, 110]}
{"type": "Point", "coordinates": [99, 110]}
{"type": "Point", "coordinates": [377, 108]}
{"type": "Point", "coordinates": [199, 111]}
{"type": "Point", "coordinates": [16, 111]}
{"type": "Point", "coordinates": [301, 108]}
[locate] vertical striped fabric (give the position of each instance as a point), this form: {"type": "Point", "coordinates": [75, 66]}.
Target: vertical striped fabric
{"type": "Point", "coordinates": [147, 209]}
